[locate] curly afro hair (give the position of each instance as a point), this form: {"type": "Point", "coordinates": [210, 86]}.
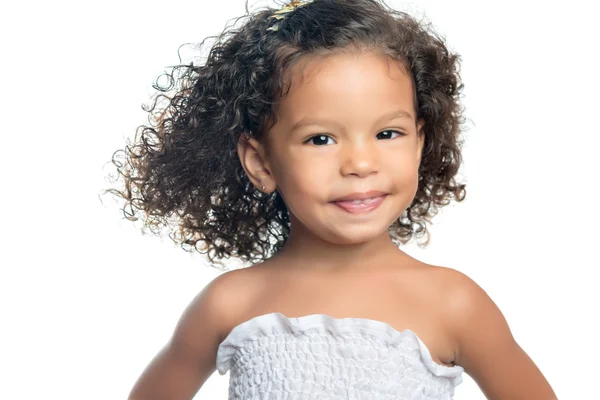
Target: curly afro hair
{"type": "Point", "coordinates": [184, 166]}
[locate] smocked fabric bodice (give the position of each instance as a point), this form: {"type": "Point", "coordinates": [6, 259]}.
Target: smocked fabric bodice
{"type": "Point", "coordinates": [320, 357]}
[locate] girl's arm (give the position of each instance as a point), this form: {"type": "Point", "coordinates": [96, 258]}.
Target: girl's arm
{"type": "Point", "coordinates": [486, 349]}
{"type": "Point", "coordinates": [180, 369]}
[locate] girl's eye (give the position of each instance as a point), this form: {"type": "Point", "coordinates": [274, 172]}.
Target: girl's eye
{"type": "Point", "coordinates": [388, 133]}
{"type": "Point", "coordinates": [318, 140]}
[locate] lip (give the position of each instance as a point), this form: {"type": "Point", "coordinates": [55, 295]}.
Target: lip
{"type": "Point", "coordinates": [352, 208]}
{"type": "Point", "coordinates": [360, 196]}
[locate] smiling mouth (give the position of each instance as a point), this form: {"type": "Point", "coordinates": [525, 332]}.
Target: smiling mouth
{"type": "Point", "coordinates": [360, 206]}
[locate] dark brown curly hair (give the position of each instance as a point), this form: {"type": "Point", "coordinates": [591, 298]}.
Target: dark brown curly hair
{"type": "Point", "coordinates": [184, 166]}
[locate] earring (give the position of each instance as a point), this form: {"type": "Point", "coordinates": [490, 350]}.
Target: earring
{"type": "Point", "coordinates": [262, 188]}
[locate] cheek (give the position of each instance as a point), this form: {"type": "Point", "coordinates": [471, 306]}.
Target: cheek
{"type": "Point", "coordinates": [402, 162]}
{"type": "Point", "coordinates": [303, 184]}
{"type": "Point", "coordinates": [409, 177]}
{"type": "Point", "coordinates": [304, 179]}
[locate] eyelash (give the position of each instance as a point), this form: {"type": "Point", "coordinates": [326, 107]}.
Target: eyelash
{"type": "Point", "coordinates": [321, 135]}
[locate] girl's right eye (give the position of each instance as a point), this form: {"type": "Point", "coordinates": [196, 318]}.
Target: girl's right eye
{"type": "Point", "coordinates": [318, 140]}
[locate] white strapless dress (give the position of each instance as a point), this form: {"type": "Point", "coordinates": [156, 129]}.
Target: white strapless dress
{"type": "Point", "coordinates": [320, 357]}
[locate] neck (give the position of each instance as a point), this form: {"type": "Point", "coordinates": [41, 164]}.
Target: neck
{"type": "Point", "coordinates": [306, 251]}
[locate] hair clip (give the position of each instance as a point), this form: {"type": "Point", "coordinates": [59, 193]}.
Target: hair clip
{"type": "Point", "coordinates": [289, 7]}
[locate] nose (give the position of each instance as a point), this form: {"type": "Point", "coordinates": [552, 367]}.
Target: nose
{"type": "Point", "coordinates": [359, 158]}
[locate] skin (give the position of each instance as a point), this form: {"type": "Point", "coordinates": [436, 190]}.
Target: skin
{"type": "Point", "coordinates": [340, 264]}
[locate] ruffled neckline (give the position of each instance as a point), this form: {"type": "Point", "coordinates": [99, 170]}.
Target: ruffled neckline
{"type": "Point", "coordinates": [278, 323]}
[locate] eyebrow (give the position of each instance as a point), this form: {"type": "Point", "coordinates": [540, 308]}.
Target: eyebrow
{"type": "Point", "coordinates": [385, 117]}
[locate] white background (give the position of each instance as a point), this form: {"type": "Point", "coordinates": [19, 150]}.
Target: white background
{"type": "Point", "coordinates": [87, 300]}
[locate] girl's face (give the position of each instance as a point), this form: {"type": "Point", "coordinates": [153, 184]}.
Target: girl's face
{"type": "Point", "coordinates": [347, 125]}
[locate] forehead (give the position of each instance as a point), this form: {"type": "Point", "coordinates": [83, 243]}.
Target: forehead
{"type": "Point", "coordinates": [347, 83]}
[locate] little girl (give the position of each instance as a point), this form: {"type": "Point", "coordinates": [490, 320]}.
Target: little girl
{"type": "Point", "coordinates": [313, 141]}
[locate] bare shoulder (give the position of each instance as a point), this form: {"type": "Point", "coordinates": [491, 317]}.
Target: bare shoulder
{"type": "Point", "coordinates": [180, 369]}
{"type": "Point", "coordinates": [452, 285]}
{"type": "Point", "coordinates": [437, 282]}
{"type": "Point", "coordinates": [455, 290]}
{"type": "Point", "coordinates": [464, 301]}
{"type": "Point", "coordinates": [484, 344]}
{"type": "Point", "coordinates": [228, 294]}
{"type": "Point", "coordinates": [209, 316]}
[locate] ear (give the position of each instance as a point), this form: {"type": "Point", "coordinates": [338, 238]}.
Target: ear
{"type": "Point", "coordinates": [420, 139]}
{"type": "Point", "coordinates": [254, 161]}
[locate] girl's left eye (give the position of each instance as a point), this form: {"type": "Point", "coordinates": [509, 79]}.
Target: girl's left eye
{"type": "Point", "coordinates": [387, 133]}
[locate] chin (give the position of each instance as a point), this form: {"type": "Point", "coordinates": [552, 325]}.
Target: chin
{"type": "Point", "coordinates": [355, 236]}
